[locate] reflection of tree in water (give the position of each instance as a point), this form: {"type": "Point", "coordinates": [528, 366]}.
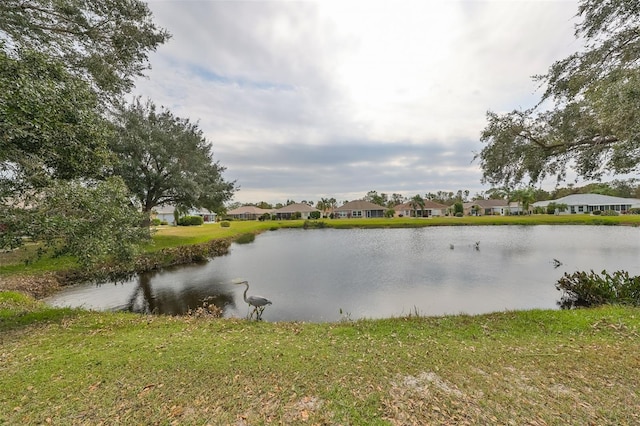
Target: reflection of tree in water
{"type": "Point", "coordinates": [167, 301]}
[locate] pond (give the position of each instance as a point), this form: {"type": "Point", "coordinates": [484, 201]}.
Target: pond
{"type": "Point", "coordinates": [320, 275]}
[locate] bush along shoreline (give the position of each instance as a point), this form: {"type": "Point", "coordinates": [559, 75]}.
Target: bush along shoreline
{"type": "Point", "coordinates": [42, 285]}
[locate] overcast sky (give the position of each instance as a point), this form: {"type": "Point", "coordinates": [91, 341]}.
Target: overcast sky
{"type": "Point", "coordinates": [309, 99]}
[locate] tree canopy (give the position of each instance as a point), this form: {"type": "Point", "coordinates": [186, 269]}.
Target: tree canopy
{"type": "Point", "coordinates": [104, 41]}
{"type": "Point", "coordinates": [165, 159]}
{"type": "Point", "coordinates": [593, 124]}
{"type": "Point", "coordinates": [63, 63]}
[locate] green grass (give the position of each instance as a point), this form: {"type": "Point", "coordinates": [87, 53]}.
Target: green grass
{"type": "Point", "coordinates": [533, 367]}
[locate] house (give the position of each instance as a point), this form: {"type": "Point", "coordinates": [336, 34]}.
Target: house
{"type": "Point", "coordinates": [358, 209]}
{"type": "Point", "coordinates": [487, 207]}
{"type": "Point", "coordinates": [431, 208]}
{"type": "Point", "coordinates": [248, 213]}
{"type": "Point", "coordinates": [294, 211]}
{"type": "Point", "coordinates": [166, 214]}
{"type": "Point", "coordinates": [588, 203]}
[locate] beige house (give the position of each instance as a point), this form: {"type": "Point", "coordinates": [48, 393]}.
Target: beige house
{"type": "Point", "coordinates": [291, 211]}
{"type": "Point", "coordinates": [359, 209]}
{"type": "Point", "coordinates": [488, 207]}
{"type": "Point", "coordinates": [431, 208]}
{"type": "Point", "coordinates": [248, 213]}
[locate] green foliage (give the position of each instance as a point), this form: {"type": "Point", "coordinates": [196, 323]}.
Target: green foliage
{"type": "Point", "coordinates": [582, 289]}
{"type": "Point", "coordinates": [51, 125]}
{"type": "Point", "coordinates": [62, 63]}
{"type": "Point", "coordinates": [245, 238]}
{"type": "Point", "coordinates": [610, 213]}
{"type": "Point", "coordinates": [225, 224]}
{"type": "Point", "coordinates": [92, 222]}
{"type": "Point", "coordinates": [417, 203]}
{"type": "Point", "coordinates": [165, 159]}
{"type": "Point", "coordinates": [104, 41]}
{"type": "Point", "coordinates": [156, 222]}
{"type": "Point", "coordinates": [595, 124]}
{"type": "Point", "coordinates": [458, 207]}
{"type": "Point", "coordinates": [389, 213]}
{"type": "Point", "coordinates": [314, 224]}
{"type": "Point", "coordinates": [190, 221]}
{"type": "Point", "coordinates": [314, 215]}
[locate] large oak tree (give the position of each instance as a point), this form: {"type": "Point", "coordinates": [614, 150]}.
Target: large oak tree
{"type": "Point", "coordinates": [593, 124]}
{"type": "Point", "coordinates": [165, 159]}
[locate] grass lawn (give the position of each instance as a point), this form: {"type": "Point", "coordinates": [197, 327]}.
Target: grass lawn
{"type": "Point", "coordinates": [522, 368]}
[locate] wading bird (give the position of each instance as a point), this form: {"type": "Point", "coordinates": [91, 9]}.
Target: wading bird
{"type": "Point", "coordinates": [258, 302]}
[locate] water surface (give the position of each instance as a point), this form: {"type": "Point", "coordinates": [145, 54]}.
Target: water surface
{"type": "Point", "coordinates": [328, 274]}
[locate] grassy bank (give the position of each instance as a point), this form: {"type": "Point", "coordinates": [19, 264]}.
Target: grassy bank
{"type": "Point", "coordinates": [536, 367]}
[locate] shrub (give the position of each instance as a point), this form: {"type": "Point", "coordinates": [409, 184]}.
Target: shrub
{"type": "Point", "coordinates": [245, 238]}
{"type": "Point", "coordinates": [582, 289]}
{"type": "Point", "coordinates": [610, 213]}
{"type": "Point", "coordinates": [313, 224]}
{"type": "Point", "coordinates": [190, 221]}
{"type": "Point", "coordinates": [634, 211]}
{"type": "Point", "coordinates": [225, 224]}
{"type": "Point", "coordinates": [156, 222]}
{"type": "Point", "coordinates": [596, 212]}
{"type": "Point", "coordinates": [314, 215]}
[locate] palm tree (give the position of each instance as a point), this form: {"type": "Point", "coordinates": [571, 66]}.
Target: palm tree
{"type": "Point", "coordinates": [524, 197]}
{"type": "Point", "coordinates": [414, 203]}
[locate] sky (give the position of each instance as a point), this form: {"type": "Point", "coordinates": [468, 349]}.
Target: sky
{"type": "Point", "coordinates": [303, 100]}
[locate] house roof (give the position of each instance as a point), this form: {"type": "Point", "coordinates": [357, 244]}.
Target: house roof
{"type": "Point", "coordinates": [359, 205]}
{"type": "Point", "coordinates": [428, 204]}
{"type": "Point", "coordinates": [249, 210]}
{"type": "Point", "coordinates": [588, 200]}
{"type": "Point", "coordinates": [296, 207]}
{"type": "Point", "coordinates": [169, 209]}
{"type": "Point", "coordinates": [486, 204]}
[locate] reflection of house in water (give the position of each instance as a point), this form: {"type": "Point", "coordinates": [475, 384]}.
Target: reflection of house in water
{"type": "Point", "coordinates": [171, 300]}
{"type": "Point", "coordinates": [166, 214]}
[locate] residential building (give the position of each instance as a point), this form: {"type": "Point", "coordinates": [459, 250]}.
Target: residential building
{"type": "Point", "coordinates": [359, 209]}
{"type": "Point", "coordinates": [431, 208]}
{"type": "Point", "coordinates": [166, 214]}
{"type": "Point", "coordinates": [248, 213]}
{"type": "Point", "coordinates": [295, 210]}
{"type": "Point", "coordinates": [588, 203]}
{"type": "Point", "coordinates": [487, 207]}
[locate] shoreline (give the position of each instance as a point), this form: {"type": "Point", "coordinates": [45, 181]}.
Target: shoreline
{"type": "Point", "coordinates": [42, 284]}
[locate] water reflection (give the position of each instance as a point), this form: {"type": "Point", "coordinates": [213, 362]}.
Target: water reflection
{"type": "Point", "coordinates": [327, 274]}
{"type": "Point", "coordinates": [174, 301]}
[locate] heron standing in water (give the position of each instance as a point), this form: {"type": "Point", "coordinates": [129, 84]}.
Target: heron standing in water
{"type": "Point", "coordinates": [258, 302]}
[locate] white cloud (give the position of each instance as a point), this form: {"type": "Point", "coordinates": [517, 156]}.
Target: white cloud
{"type": "Point", "coordinates": [335, 98]}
